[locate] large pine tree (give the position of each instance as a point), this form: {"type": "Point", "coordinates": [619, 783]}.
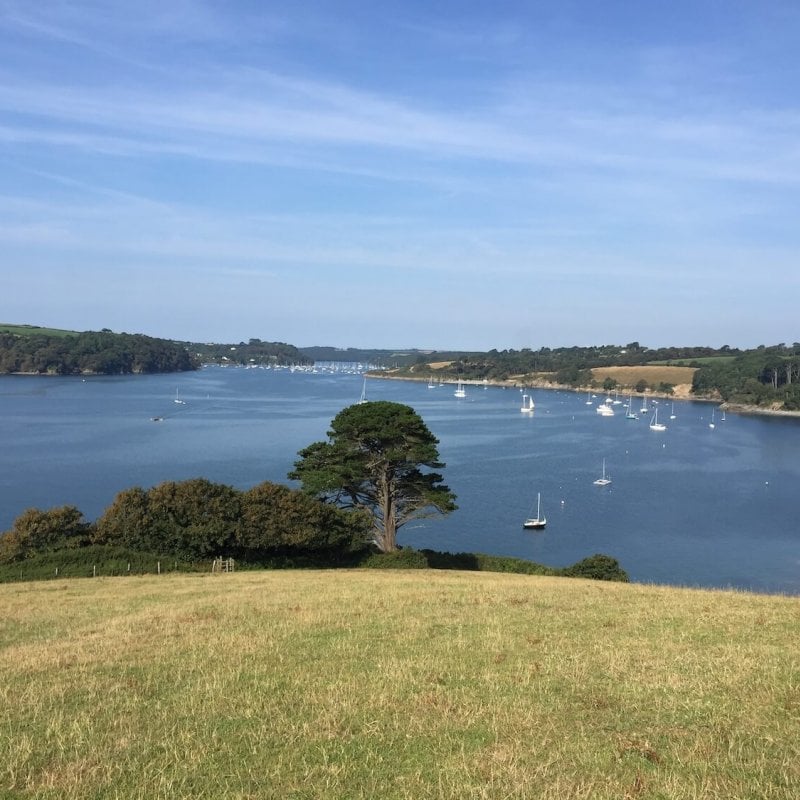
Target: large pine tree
{"type": "Point", "coordinates": [374, 460]}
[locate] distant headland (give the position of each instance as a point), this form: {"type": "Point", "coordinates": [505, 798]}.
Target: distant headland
{"type": "Point", "coordinates": [33, 350]}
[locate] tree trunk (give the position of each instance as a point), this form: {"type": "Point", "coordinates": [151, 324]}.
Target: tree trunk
{"type": "Point", "coordinates": [388, 536]}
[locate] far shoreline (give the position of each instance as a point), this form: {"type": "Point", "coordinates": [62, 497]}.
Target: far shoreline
{"type": "Point", "coordinates": [510, 383]}
{"type": "Point", "coordinates": [513, 383]}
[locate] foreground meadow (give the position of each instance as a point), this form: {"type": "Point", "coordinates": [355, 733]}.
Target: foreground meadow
{"type": "Point", "coordinates": [418, 684]}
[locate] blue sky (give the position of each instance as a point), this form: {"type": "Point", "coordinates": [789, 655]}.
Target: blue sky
{"type": "Point", "coordinates": [465, 175]}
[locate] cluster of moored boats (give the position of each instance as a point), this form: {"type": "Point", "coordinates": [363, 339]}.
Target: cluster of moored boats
{"type": "Point", "coordinates": [606, 409]}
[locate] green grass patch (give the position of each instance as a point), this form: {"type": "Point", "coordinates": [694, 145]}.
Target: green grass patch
{"type": "Point", "coordinates": [403, 684]}
{"type": "Point", "coordinates": [34, 330]}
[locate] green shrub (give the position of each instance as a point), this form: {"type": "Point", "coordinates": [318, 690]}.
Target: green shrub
{"type": "Point", "coordinates": [35, 531]}
{"type": "Point", "coordinates": [405, 558]}
{"type": "Point", "coordinates": [516, 565]}
{"type": "Point", "coordinates": [598, 567]}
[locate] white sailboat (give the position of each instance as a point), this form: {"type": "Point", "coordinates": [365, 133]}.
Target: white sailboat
{"type": "Point", "coordinates": [711, 424]}
{"type": "Point", "coordinates": [460, 390]}
{"type": "Point", "coordinates": [588, 398]}
{"type": "Point", "coordinates": [655, 425]}
{"type": "Point", "coordinates": [603, 481]}
{"type": "Point", "coordinates": [630, 414]}
{"type": "Point", "coordinates": [363, 398]}
{"type": "Point", "coordinates": [527, 404]}
{"type": "Point", "coordinates": [178, 398]}
{"type": "Point", "coordinates": [538, 522]}
{"type": "Point", "coordinates": [431, 383]}
{"type": "Point", "coordinates": [672, 413]}
{"type": "Point", "coordinates": [644, 409]}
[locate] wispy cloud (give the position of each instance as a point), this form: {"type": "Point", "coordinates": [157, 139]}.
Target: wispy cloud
{"type": "Point", "coordinates": [247, 115]}
{"type": "Point", "coordinates": [390, 148]}
{"type": "Point", "coordinates": [89, 24]}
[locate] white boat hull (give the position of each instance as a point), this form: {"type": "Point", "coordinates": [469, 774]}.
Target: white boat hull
{"type": "Point", "coordinates": [534, 524]}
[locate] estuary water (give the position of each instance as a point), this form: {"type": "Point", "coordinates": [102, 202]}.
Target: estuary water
{"type": "Point", "coordinates": [691, 506]}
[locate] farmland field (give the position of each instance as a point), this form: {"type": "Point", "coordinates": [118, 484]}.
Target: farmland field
{"type": "Point", "coordinates": [629, 376]}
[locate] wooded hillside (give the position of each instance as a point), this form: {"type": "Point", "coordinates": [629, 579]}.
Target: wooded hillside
{"type": "Point", "coordinates": [92, 352]}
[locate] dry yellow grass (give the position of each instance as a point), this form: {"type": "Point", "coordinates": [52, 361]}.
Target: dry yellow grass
{"type": "Point", "coordinates": [630, 376]}
{"type": "Point", "coordinates": [359, 684]}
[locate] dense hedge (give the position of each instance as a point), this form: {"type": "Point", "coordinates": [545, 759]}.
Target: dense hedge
{"type": "Point", "coordinates": [92, 560]}
{"type": "Point", "coordinates": [196, 520]}
{"type": "Point", "coordinates": [598, 567]}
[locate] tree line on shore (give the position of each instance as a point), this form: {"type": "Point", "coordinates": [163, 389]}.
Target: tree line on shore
{"type": "Point", "coordinates": [252, 352]}
{"type": "Point", "coordinates": [27, 349]}
{"type": "Point", "coordinates": [762, 376]}
{"type": "Point", "coordinates": [91, 352]}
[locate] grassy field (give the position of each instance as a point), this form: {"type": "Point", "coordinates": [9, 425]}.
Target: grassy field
{"type": "Point", "coordinates": [31, 330]}
{"type": "Point", "coordinates": [357, 684]}
{"type": "Point", "coordinates": [630, 376]}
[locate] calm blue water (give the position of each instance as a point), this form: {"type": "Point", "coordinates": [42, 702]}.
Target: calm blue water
{"type": "Point", "coordinates": [689, 506]}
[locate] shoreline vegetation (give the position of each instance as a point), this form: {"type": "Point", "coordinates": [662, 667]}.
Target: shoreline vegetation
{"type": "Point", "coordinates": [758, 380]}
{"type": "Point", "coordinates": [185, 525]}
